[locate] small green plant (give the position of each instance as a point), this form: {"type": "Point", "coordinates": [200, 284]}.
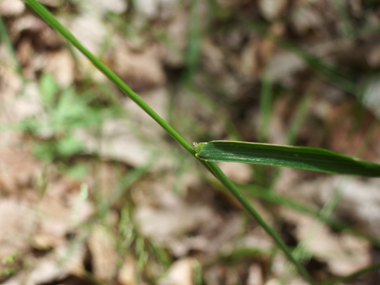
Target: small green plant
{"type": "Point", "coordinates": [9, 261]}
{"type": "Point", "coordinates": [284, 156]}
{"type": "Point", "coordinates": [64, 115]}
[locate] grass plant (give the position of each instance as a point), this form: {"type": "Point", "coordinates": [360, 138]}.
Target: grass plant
{"type": "Point", "coordinates": [285, 156]}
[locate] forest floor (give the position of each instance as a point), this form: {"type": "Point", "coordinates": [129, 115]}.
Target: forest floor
{"type": "Point", "coordinates": [93, 191]}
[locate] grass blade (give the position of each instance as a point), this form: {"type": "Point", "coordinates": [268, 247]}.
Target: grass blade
{"type": "Point", "coordinates": [306, 158]}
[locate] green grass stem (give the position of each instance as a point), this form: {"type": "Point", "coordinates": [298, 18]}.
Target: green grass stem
{"type": "Point", "coordinates": [247, 205]}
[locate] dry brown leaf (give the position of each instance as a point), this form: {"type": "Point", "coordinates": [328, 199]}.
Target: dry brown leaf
{"type": "Point", "coordinates": [174, 54]}
{"type": "Point", "coordinates": [373, 56]}
{"type": "Point", "coordinates": [52, 267]}
{"type": "Point", "coordinates": [18, 171]}
{"type": "Point", "coordinates": [239, 172]}
{"type": "Point", "coordinates": [162, 9]}
{"type": "Point", "coordinates": [167, 219]}
{"type": "Point", "coordinates": [51, 3]}
{"type": "Point", "coordinates": [305, 18]}
{"type": "Point", "coordinates": [165, 224]}
{"type": "Point", "coordinates": [61, 65]}
{"type": "Point", "coordinates": [212, 57]}
{"type": "Point", "coordinates": [90, 31]}
{"type": "Point", "coordinates": [256, 238]}
{"type": "Point", "coordinates": [254, 275]}
{"type": "Point", "coordinates": [180, 273]}
{"type": "Point", "coordinates": [293, 281]}
{"type": "Point", "coordinates": [99, 8]}
{"type": "Point", "coordinates": [127, 272]}
{"type": "Point", "coordinates": [27, 106]}
{"type": "Point", "coordinates": [344, 254]}
{"type": "Point", "coordinates": [11, 82]}
{"type": "Point", "coordinates": [11, 7]}
{"type": "Point", "coordinates": [272, 9]}
{"type": "Point", "coordinates": [371, 96]}
{"type": "Point", "coordinates": [141, 70]}
{"type": "Point", "coordinates": [123, 139]}
{"type": "Point", "coordinates": [230, 4]}
{"type": "Point", "coordinates": [250, 63]}
{"type": "Point", "coordinates": [359, 200]}
{"type": "Point", "coordinates": [282, 65]}
{"type": "Point", "coordinates": [26, 23]}
{"type": "Point", "coordinates": [17, 224]}
{"type": "Point", "coordinates": [214, 274]}
{"type": "Point", "coordinates": [102, 246]}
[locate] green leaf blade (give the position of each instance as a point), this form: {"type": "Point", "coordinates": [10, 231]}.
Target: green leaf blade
{"type": "Point", "coordinates": [306, 158]}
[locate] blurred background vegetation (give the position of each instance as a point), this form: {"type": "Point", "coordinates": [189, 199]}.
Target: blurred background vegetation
{"type": "Point", "coordinates": [92, 191]}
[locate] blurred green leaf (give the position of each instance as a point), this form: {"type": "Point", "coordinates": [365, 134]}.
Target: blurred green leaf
{"type": "Point", "coordinates": [7, 271]}
{"type": "Point", "coordinates": [45, 150]}
{"type": "Point", "coordinates": [10, 258]}
{"type": "Point", "coordinates": [48, 88]}
{"type": "Point", "coordinates": [69, 146]}
{"type": "Point", "coordinates": [70, 108]}
{"type": "Point", "coordinates": [77, 172]}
